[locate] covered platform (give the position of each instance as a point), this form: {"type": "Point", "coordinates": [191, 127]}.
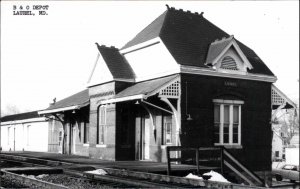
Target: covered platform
{"type": "Point", "coordinates": [139, 166]}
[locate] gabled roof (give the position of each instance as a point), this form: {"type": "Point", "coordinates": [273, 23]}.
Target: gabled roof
{"type": "Point", "coordinates": [188, 35]}
{"type": "Point", "coordinates": [116, 63]}
{"type": "Point", "coordinates": [80, 99]}
{"type": "Point", "coordinates": [219, 47]}
{"type": "Point", "coordinates": [21, 116]}
{"type": "Point", "coordinates": [216, 48]}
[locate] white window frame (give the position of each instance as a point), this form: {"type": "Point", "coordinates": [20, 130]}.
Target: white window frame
{"type": "Point", "coordinates": [102, 125]}
{"type": "Point", "coordinates": [231, 103]}
{"type": "Point", "coordinates": [60, 137]}
{"type": "Point", "coordinates": [165, 123]}
{"type": "Point", "coordinates": [168, 134]}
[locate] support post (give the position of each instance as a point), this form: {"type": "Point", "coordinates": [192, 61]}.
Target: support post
{"type": "Point", "coordinates": [176, 114]}
{"type": "Point", "coordinates": [168, 161]}
{"type": "Point", "coordinates": [222, 160]}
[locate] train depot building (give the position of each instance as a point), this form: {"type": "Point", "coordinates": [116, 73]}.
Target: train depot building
{"type": "Point", "coordinates": [181, 81]}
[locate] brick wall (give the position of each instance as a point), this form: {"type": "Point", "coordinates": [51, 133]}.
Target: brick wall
{"type": "Point", "coordinates": [256, 134]}
{"type": "Point", "coordinates": [98, 93]}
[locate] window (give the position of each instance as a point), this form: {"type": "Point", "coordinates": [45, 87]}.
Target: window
{"type": "Point", "coordinates": [167, 130]}
{"type": "Point", "coordinates": [28, 134]}
{"type": "Point", "coordinates": [228, 63]}
{"type": "Point", "coordinates": [60, 138]}
{"type": "Point", "coordinates": [101, 124]}
{"type": "Point", "coordinates": [227, 122]}
{"type": "Point", "coordinates": [289, 167]}
{"type": "Point", "coordinates": [277, 154]}
{"type": "Point", "coordinates": [86, 131]}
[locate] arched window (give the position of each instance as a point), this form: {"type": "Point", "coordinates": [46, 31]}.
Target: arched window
{"type": "Point", "coordinates": [101, 124]}
{"type": "Point", "coordinates": [228, 63]}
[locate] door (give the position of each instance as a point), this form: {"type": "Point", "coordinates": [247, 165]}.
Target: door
{"type": "Point", "coordinates": [146, 139]}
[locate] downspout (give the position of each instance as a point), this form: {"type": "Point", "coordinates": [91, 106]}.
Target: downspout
{"type": "Point", "coordinates": [70, 137]}
{"type": "Point", "coordinates": [0, 144]}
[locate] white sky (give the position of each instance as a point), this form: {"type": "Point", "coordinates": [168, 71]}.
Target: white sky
{"type": "Point", "coordinates": [43, 57]}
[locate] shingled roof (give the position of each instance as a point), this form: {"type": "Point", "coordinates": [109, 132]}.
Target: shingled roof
{"type": "Point", "coordinates": [81, 99]}
{"type": "Point", "coordinates": [116, 63]}
{"type": "Point", "coordinates": [145, 87]}
{"type": "Point", "coordinates": [188, 35]}
{"type": "Point", "coordinates": [21, 116]}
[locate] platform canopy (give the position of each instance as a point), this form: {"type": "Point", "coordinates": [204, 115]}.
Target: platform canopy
{"type": "Point", "coordinates": [280, 99]}
{"type": "Point", "coordinates": [166, 87]}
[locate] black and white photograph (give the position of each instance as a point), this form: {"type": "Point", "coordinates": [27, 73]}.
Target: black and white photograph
{"type": "Point", "coordinates": [149, 94]}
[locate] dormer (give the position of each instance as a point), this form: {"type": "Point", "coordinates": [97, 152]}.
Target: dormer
{"type": "Point", "coordinates": [226, 56]}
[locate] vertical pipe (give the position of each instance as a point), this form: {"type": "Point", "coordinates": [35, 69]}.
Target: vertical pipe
{"type": "Point", "coordinates": [141, 139]}
{"type": "Point", "coordinates": [179, 116]}
{"type": "Point", "coordinates": [70, 138]}
{"type": "Point", "coordinates": [197, 160]}
{"type": "Point", "coordinates": [0, 139]}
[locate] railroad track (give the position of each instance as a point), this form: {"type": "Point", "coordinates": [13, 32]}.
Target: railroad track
{"type": "Point", "coordinates": [77, 176]}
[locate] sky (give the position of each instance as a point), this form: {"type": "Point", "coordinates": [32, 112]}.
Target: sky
{"type": "Point", "coordinates": [52, 55]}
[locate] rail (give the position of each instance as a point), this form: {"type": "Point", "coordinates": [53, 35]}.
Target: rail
{"type": "Point", "coordinates": [246, 170]}
{"type": "Point", "coordinates": [225, 158]}
{"type": "Point", "coordinates": [197, 156]}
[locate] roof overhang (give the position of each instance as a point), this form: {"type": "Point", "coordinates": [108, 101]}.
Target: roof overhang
{"type": "Point", "coordinates": [280, 99]}
{"type": "Point", "coordinates": [213, 72]}
{"type": "Point", "coordinates": [122, 99]}
{"type": "Point", "coordinates": [142, 90]}
{"type": "Point", "coordinates": [59, 110]}
{"type": "Point", "coordinates": [23, 121]}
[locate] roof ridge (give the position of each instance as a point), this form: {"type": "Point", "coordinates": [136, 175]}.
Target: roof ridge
{"type": "Point", "coordinates": [181, 10]}
{"type": "Point", "coordinates": [106, 47]}
{"type": "Point", "coordinates": [223, 39]}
